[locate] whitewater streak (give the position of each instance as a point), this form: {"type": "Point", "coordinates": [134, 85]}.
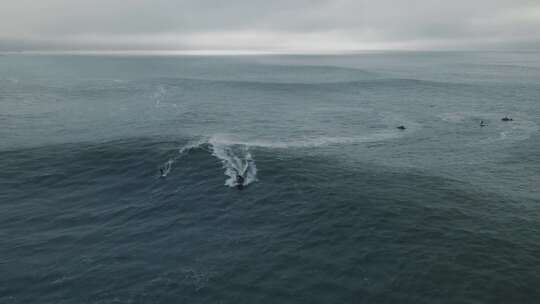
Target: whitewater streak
{"type": "Point", "coordinates": [236, 157]}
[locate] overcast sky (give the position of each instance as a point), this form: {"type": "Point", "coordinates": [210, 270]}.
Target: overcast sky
{"type": "Point", "coordinates": [268, 25]}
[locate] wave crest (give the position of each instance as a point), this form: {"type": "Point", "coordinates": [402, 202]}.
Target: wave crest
{"type": "Point", "coordinates": [237, 158]}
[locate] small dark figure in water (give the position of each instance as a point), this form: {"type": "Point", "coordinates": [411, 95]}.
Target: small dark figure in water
{"type": "Point", "coordinates": [482, 123]}
{"type": "Point", "coordinates": [506, 118]}
{"type": "Point", "coordinates": [239, 182]}
{"type": "Point", "coordinates": [401, 127]}
{"type": "Point", "coordinates": [162, 171]}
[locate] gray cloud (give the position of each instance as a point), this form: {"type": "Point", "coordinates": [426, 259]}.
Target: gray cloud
{"type": "Point", "coordinates": [299, 25]}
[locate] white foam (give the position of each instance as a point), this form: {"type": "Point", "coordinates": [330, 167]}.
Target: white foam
{"type": "Point", "coordinates": [310, 142]}
{"type": "Point", "coordinates": [516, 130]}
{"type": "Point", "coordinates": [159, 95]}
{"type": "Point", "coordinates": [236, 161]}
{"type": "Point", "coordinates": [192, 145]}
{"type": "Point", "coordinates": [166, 168]}
{"type": "Point", "coordinates": [454, 117]}
{"type": "Point", "coordinates": [168, 165]}
{"type": "Point", "coordinates": [519, 129]}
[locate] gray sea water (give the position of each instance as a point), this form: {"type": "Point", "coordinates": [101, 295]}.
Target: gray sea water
{"type": "Point", "coordinates": [339, 206]}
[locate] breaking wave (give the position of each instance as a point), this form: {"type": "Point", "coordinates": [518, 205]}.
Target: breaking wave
{"type": "Point", "coordinates": [237, 158]}
{"type": "Point", "coordinates": [310, 142]}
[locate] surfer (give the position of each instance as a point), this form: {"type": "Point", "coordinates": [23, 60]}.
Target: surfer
{"type": "Point", "coordinates": [165, 168]}
{"type": "Point", "coordinates": [239, 182]}
{"type": "Point", "coordinates": [482, 123]}
{"type": "Point", "coordinates": [240, 179]}
{"type": "Point", "coordinates": [401, 127]}
{"type": "Point", "coordinates": [506, 118]}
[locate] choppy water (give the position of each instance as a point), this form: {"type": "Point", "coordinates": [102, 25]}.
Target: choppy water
{"type": "Point", "coordinates": [339, 205]}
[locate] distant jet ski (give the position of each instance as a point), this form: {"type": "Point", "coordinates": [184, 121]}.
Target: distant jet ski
{"type": "Point", "coordinates": [401, 128]}
{"type": "Point", "coordinates": [506, 118]}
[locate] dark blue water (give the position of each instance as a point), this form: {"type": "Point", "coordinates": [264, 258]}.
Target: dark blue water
{"type": "Point", "coordinates": [338, 205]}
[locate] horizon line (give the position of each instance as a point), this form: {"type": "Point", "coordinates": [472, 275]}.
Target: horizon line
{"type": "Point", "coordinates": [227, 52]}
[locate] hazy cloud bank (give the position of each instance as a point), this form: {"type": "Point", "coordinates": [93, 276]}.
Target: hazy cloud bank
{"type": "Point", "coordinates": [279, 25]}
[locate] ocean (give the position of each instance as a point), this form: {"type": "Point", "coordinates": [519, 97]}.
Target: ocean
{"type": "Point", "coordinates": [118, 178]}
